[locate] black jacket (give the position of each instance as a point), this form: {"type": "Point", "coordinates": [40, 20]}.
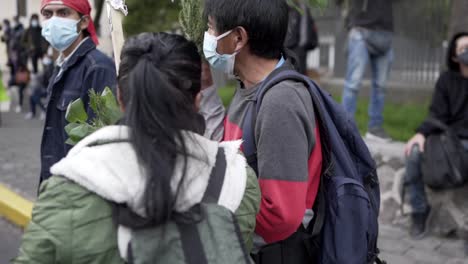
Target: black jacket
{"type": "Point", "coordinates": [449, 105]}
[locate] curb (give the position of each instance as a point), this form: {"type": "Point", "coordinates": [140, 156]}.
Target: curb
{"type": "Point", "coordinates": [14, 207]}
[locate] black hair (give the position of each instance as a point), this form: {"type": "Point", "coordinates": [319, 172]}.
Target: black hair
{"type": "Point", "coordinates": [159, 78]}
{"type": "Point", "coordinates": [6, 22]}
{"type": "Point", "coordinates": [265, 21]}
{"type": "Point", "coordinates": [452, 52]}
{"type": "Point", "coordinates": [85, 31]}
{"type": "Point", "coordinates": [34, 16]}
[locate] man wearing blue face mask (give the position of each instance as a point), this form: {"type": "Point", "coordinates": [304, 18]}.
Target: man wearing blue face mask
{"type": "Point", "coordinates": [80, 67]}
{"type": "Point", "coordinates": [245, 41]}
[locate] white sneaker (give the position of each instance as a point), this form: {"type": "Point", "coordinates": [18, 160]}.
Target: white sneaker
{"type": "Point", "coordinates": [18, 109]}
{"type": "Point", "coordinates": [29, 116]}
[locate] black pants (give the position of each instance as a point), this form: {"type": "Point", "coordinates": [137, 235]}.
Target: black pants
{"type": "Point", "coordinates": [21, 88]}
{"type": "Point", "coordinates": [35, 56]}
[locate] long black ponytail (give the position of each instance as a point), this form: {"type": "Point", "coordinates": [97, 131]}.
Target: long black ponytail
{"type": "Point", "coordinates": [159, 78]}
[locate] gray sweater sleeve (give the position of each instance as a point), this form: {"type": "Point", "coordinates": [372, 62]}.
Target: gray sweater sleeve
{"type": "Point", "coordinates": [285, 132]}
{"type": "Point", "coordinates": [212, 109]}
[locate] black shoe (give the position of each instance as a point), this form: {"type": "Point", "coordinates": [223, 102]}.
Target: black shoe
{"type": "Point", "coordinates": [418, 225]}
{"type": "Point", "coordinates": [378, 134]}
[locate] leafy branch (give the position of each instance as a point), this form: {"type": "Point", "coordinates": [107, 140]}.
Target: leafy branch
{"type": "Point", "coordinates": [105, 108]}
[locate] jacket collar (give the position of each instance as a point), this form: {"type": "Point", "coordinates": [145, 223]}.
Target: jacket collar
{"type": "Point", "coordinates": [83, 49]}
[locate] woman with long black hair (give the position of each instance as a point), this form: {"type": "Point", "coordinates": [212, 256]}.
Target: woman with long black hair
{"type": "Point", "coordinates": [151, 190]}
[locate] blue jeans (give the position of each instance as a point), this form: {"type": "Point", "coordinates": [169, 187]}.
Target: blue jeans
{"type": "Point", "coordinates": [414, 185]}
{"type": "Point", "coordinates": [358, 58]}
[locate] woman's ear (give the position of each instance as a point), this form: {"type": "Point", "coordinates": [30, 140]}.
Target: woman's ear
{"type": "Point", "coordinates": [120, 100]}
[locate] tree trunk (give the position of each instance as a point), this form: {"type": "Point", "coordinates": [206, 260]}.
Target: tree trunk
{"type": "Point", "coordinates": [458, 17]}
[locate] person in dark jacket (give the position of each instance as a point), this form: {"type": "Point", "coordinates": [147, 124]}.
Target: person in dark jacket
{"type": "Point", "coordinates": [450, 106]}
{"type": "Point", "coordinates": [302, 34]}
{"type": "Point", "coordinates": [69, 28]}
{"type": "Point", "coordinates": [7, 33]}
{"type": "Point", "coordinates": [33, 41]}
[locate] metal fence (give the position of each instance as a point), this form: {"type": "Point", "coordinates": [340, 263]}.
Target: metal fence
{"type": "Point", "coordinates": [420, 41]}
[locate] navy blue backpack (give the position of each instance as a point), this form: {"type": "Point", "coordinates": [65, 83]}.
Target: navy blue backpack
{"type": "Point", "coordinates": [345, 226]}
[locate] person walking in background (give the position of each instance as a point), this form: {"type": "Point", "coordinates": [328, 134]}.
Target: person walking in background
{"type": "Point", "coordinates": [151, 189]}
{"type": "Point", "coordinates": [449, 106]}
{"type": "Point", "coordinates": [39, 86]}
{"type": "Point", "coordinates": [33, 42]}
{"type": "Point", "coordinates": [18, 54]}
{"type": "Point", "coordinates": [6, 37]}
{"type": "Point", "coordinates": [68, 28]}
{"type": "Point", "coordinates": [370, 25]}
{"type": "Point", "coordinates": [22, 78]}
{"type": "Point", "coordinates": [302, 35]}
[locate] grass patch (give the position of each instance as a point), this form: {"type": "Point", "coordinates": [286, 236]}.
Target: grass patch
{"type": "Point", "coordinates": [401, 120]}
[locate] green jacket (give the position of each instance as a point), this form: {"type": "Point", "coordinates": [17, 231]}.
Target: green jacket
{"type": "Point", "coordinates": [72, 224]}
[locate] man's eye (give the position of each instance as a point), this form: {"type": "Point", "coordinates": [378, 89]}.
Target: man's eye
{"type": "Point", "coordinates": [63, 13]}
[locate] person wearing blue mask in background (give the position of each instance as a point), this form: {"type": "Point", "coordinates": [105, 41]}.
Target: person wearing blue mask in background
{"type": "Point", "coordinates": [69, 29]}
{"type": "Point", "coordinates": [33, 42]}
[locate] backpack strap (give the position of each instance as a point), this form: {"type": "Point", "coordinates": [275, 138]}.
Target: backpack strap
{"type": "Point", "coordinates": [249, 146]}
{"type": "Point", "coordinates": [192, 244]}
{"type": "Point", "coordinates": [190, 237]}
{"type": "Point", "coordinates": [248, 127]}
{"type": "Point", "coordinates": [216, 180]}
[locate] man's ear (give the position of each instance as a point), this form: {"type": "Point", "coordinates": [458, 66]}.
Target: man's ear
{"type": "Point", "coordinates": [242, 38]}
{"type": "Point", "coordinates": [84, 23]}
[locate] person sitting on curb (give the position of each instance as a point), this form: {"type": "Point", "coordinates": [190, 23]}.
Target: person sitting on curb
{"type": "Point", "coordinates": [155, 175]}
{"type": "Point", "coordinates": [449, 106]}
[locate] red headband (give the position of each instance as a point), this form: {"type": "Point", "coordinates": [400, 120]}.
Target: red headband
{"type": "Point", "coordinates": [81, 6]}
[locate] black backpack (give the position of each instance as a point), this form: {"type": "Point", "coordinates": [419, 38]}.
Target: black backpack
{"type": "Point", "coordinates": [445, 160]}
{"type": "Point", "coordinates": [345, 225]}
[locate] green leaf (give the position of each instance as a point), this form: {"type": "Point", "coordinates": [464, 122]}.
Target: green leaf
{"type": "Point", "coordinates": [81, 131]}
{"type": "Point", "coordinates": [70, 127]}
{"type": "Point", "coordinates": [71, 142]}
{"type": "Point", "coordinates": [76, 112]}
{"type": "Point", "coordinates": [110, 113]}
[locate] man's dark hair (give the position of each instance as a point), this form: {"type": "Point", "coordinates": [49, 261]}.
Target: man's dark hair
{"type": "Point", "coordinates": [265, 21]}
{"type": "Point", "coordinates": [452, 52]}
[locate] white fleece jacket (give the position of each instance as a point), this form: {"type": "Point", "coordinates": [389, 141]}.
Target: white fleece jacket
{"type": "Point", "coordinates": [113, 172]}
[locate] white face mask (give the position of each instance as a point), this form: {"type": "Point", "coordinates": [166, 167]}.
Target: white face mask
{"type": "Point", "coordinates": [222, 62]}
{"type": "Point", "coordinates": [34, 23]}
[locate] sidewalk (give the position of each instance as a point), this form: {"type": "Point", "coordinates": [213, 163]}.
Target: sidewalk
{"type": "Point", "coordinates": [19, 170]}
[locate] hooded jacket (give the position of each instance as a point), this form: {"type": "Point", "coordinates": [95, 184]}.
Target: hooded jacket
{"type": "Point", "coordinates": [72, 219]}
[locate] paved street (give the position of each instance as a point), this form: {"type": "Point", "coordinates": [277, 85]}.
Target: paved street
{"type": "Point", "coordinates": [9, 241]}
{"type": "Point", "coordinates": [19, 169]}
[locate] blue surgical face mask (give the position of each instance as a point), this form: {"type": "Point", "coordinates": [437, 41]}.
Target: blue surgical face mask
{"type": "Point", "coordinates": [60, 32]}
{"type": "Point", "coordinates": [221, 62]}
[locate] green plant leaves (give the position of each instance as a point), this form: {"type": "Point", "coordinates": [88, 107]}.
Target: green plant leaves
{"type": "Point", "coordinates": [76, 112]}
{"type": "Point", "coordinates": [104, 106]}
